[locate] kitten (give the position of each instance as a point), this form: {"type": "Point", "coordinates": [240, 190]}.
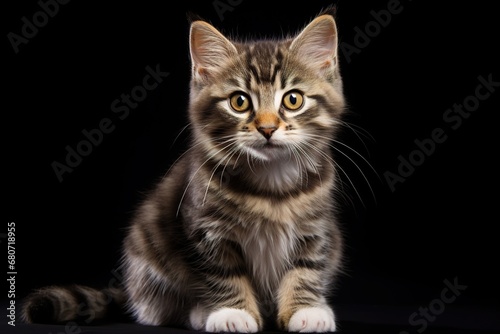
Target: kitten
{"type": "Point", "coordinates": [241, 233]}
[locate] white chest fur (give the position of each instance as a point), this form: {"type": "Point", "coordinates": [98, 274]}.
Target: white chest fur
{"type": "Point", "coordinates": [268, 251]}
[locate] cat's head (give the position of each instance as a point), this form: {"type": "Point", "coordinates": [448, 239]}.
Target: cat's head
{"type": "Point", "coordinates": [265, 99]}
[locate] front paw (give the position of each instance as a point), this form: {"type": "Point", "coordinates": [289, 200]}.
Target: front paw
{"type": "Point", "coordinates": [231, 320]}
{"type": "Point", "coordinates": [312, 319]}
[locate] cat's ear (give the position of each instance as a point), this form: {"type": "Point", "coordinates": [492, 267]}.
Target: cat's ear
{"type": "Point", "coordinates": [317, 43]}
{"type": "Point", "coordinates": [210, 50]}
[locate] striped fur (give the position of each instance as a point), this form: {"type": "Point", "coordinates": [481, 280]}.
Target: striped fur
{"type": "Point", "coordinates": [241, 232]}
{"type": "Point", "coordinates": [56, 304]}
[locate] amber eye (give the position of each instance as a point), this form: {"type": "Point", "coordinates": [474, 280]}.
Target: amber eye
{"type": "Point", "coordinates": [293, 100]}
{"type": "Point", "coordinates": [240, 102]}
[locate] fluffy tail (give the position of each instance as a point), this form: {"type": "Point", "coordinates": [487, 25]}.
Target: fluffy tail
{"type": "Point", "coordinates": [56, 304]}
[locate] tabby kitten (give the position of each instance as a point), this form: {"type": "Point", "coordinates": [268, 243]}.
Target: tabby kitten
{"type": "Point", "coordinates": [241, 233]}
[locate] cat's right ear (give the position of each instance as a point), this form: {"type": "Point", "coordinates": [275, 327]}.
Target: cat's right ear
{"type": "Point", "coordinates": [210, 50]}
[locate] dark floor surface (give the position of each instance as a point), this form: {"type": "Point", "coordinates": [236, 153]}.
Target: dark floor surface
{"type": "Point", "coordinates": [351, 319]}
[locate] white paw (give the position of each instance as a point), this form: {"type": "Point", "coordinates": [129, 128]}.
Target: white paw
{"type": "Point", "coordinates": [231, 320]}
{"type": "Point", "coordinates": [312, 319]}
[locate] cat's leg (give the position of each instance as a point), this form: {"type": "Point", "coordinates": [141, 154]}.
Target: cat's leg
{"type": "Point", "coordinates": [198, 317]}
{"type": "Point", "coordinates": [225, 298]}
{"type": "Point", "coordinates": [302, 306]}
{"type": "Point", "coordinates": [154, 299]}
{"type": "Point", "coordinates": [222, 320]}
{"type": "Point", "coordinates": [232, 307]}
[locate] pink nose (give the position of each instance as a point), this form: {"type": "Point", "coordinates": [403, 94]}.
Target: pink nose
{"type": "Point", "coordinates": [267, 131]}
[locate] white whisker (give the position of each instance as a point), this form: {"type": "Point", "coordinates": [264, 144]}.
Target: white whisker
{"type": "Point", "coordinates": [213, 173]}
{"type": "Point", "coordinates": [183, 154]}
{"type": "Point", "coordinates": [234, 150]}
{"type": "Point", "coordinates": [180, 132]}
{"type": "Point", "coordinates": [358, 133]}
{"type": "Point", "coordinates": [199, 168]}
{"type": "Point", "coordinates": [249, 163]}
{"type": "Point", "coordinates": [336, 166]}
{"type": "Point", "coordinates": [299, 162]}
{"type": "Point", "coordinates": [326, 139]}
{"type": "Point", "coordinates": [323, 139]}
{"type": "Point", "coordinates": [308, 161]}
{"type": "Point", "coordinates": [359, 155]}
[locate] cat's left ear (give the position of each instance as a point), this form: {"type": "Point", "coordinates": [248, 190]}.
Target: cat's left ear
{"type": "Point", "coordinates": [210, 50]}
{"type": "Point", "coordinates": [317, 43]}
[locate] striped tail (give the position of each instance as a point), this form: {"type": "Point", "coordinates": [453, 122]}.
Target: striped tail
{"type": "Point", "coordinates": [57, 304]}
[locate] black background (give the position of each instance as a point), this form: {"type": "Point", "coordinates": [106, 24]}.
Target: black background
{"type": "Point", "coordinates": [401, 245]}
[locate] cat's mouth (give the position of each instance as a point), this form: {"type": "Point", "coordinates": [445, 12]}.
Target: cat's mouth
{"type": "Point", "coordinates": [266, 151]}
{"type": "Point", "coordinates": [271, 145]}
{"type": "Point", "coordinates": [268, 145]}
